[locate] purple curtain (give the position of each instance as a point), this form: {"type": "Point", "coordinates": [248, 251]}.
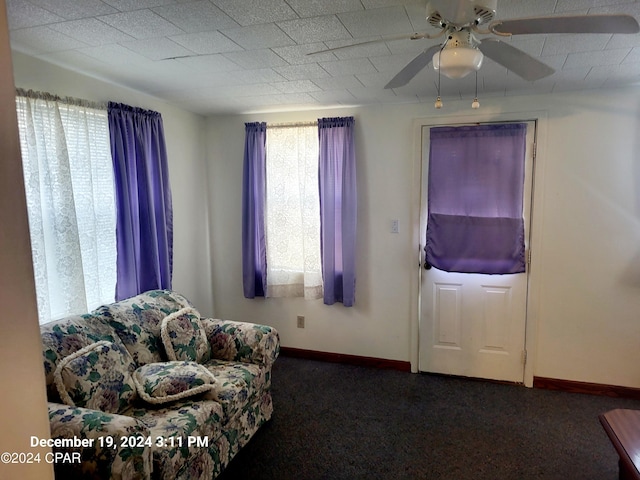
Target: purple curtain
{"type": "Point", "coordinates": [254, 251]}
{"type": "Point", "coordinates": [144, 226]}
{"type": "Point", "coordinates": [476, 182]}
{"type": "Point", "coordinates": [338, 209]}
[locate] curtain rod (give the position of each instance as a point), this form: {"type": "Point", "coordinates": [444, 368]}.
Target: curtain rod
{"type": "Point", "coordinates": [296, 124]}
{"type": "Point", "coordinates": [55, 98]}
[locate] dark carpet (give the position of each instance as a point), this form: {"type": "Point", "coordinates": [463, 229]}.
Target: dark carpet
{"type": "Point", "coordinates": [335, 421]}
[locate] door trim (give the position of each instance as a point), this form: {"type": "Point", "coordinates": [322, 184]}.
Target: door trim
{"type": "Point", "coordinates": [533, 295]}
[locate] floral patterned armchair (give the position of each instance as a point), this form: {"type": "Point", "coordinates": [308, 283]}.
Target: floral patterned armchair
{"type": "Point", "coordinates": [154, 390]}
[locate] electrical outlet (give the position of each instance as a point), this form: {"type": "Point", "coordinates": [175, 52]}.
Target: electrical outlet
{"type": "Point", "coordinates": [394, 226]}
{"type": "Point", "coordinates": [300, 321]}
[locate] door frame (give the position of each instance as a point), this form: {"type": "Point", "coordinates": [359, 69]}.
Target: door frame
{"type": "Point", "coordinates": [535, 246]}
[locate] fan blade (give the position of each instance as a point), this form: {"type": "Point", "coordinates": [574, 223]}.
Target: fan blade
{"type": "Point", "coordinates": [519, 62]}
{"type": "Point", "coordinates": [413, 36]}
{"type": "Point", "coordinates": [567, 24]}
{"type": "Point", "coordinates": [188, 56]}
{"type": "Point", "coordinates": [405, 75]}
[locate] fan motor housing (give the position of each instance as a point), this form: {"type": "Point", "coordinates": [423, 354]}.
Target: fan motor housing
{"type": "Point", "coordinates": [462, 38]}
{"type": "Point", "coordinates": [441, 13]}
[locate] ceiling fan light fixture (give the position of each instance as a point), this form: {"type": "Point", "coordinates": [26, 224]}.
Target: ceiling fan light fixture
{"type": "Point", "coordinates": [458, 62]}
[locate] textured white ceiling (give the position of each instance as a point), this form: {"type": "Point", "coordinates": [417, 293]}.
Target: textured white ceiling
{"type": "Point", "coordinates": [252, 54]}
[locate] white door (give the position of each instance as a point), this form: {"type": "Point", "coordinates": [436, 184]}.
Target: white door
{"type": "Point", "coordinates": [473, 325]}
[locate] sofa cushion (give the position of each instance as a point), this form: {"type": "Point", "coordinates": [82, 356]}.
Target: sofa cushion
{"type": "Point", "coordinates": [236, 385]}
{"type": "Point", "coordinates": [184, 337]}
{"type": "Point", "coordinates": [169, 381]}
{"type": "Point", "coordinates": [98, 377]}
{"type": "Point", "coordinates": [63, 337]}
{"type": "Point", "coordinates": [137, 322]}
{"type": "Point", "coordinates": [171, 427]}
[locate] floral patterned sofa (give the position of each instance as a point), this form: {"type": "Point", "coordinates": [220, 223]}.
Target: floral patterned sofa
{"type": "Point", "coordinates": [146, 389]}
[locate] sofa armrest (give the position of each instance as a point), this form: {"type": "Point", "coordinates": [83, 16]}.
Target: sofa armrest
{"type": "Point", "coordinates": [98, 439]}
{"type": "Point", "coordinates": [242, 342]}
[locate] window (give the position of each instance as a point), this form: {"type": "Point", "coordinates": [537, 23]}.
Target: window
{"type": "Point", "coordinates": [284, 170]}
{"type": "Point", "coordinates": [71, 204]}
{"type": "Point", "coordinates": [292, 212]}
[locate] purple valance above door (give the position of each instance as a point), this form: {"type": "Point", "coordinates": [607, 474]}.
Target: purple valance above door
{"type": "Point", "coordinates": [475, 199]}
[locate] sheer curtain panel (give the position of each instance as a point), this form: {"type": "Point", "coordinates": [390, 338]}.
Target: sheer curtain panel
{"type": "Point", "coordinates": [338, 209]}
{"type": "Point", "coordinates": [254, 255]}
{"type": "Point", "coordinates": [293, 212]}
{"type": "Point", "coordinates": [71, 204]}
{"type": "Point", "coordinates": [475, 199]}
{"type": "Point", "coordinates": [143, 199]}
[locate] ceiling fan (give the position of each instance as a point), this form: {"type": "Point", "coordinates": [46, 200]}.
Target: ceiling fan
{"type": "Point", "coordinates": [461, 52]}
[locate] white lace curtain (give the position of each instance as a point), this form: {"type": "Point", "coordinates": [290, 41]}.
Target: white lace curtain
{"type": "Point", "coordinates": [71, 204]}
{"type": "Point", "coordinates": [292, 212]}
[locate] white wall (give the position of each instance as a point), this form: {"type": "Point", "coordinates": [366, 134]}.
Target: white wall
{"type": "Point", "coordinates": [187, 167]}
{"type": "Point", "coordinates": [585, 292]}
{"type": "Point", "coordinates": [23, 408]}
{"type": "Point", "coordinates": [378, 324]}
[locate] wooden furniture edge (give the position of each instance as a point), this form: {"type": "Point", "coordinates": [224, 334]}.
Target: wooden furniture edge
{"type": "Point", "coordinates": [346, 359]}
{"type": "Point", "coordinates": [586, 387]}
{"type": "Point", "coordinates": [628, 470]}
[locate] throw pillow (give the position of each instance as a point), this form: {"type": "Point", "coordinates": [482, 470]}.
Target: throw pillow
{"type": "Point", "coordinates": [168, 381]}
{"type": "Point", "coordinates": [184, 337]}
{"type": "Point", "coordinates": [98, 377]}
